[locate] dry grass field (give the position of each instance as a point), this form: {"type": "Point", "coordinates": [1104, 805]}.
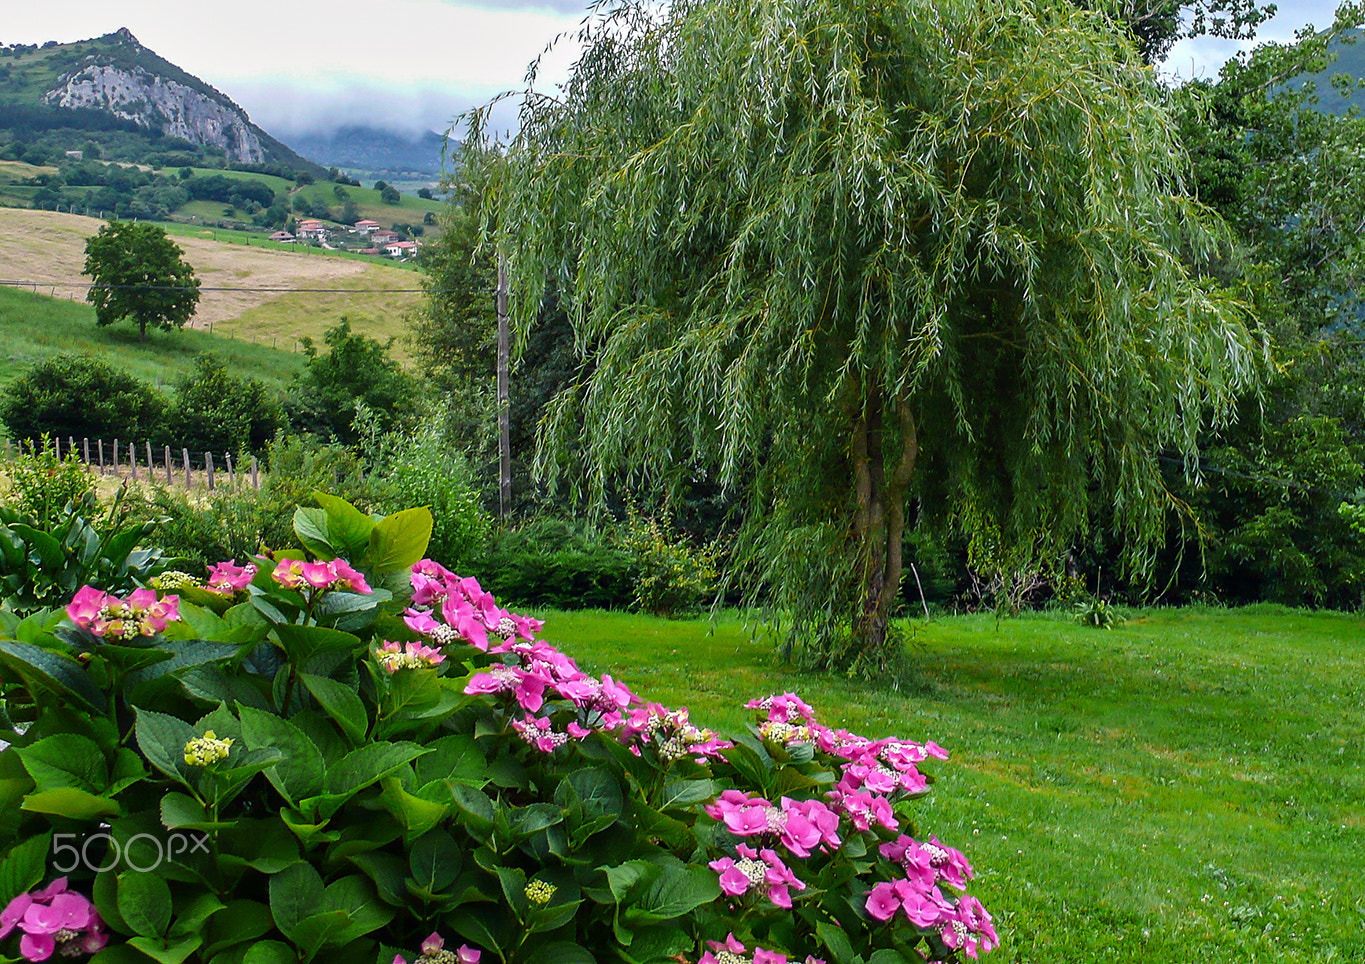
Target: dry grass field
{"type": "Point", "coordinates": [47, 250]}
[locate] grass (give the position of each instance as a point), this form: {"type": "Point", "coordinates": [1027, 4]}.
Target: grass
{"type": "Point", "coordinates": [1188, 787]}
{"type": "Point", "coordinates": [34, 327]}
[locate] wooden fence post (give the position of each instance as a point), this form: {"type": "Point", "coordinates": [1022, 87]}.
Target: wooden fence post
{"type": "Point", "coordinates": [70, 446]}
{"type": "Point", "coordinates": [101, 444]}
{"type": "Point", "coordinates": [232, 476]}
{"type": "Point", "coordinates": [116, 456]}
{"type": "Point", "coordinates": [185, 453]}
{"type": "Point", "coordinates": [150, 463]}
{"type": "Point", "coordinates": [255, 480]}
{"type": "Point", "coordinates": [132, 461]}
{"type": "Point", "coordinates": [168, 465]}
{"type": "Point", "coordinates": [87, 454]}
{"type": "Point", "coordinates": [7, 451]}
{"type": "Point", "coordinates": [208, 467]}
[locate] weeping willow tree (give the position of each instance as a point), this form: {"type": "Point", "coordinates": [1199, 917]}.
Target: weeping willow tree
{"type": "Point", "coordinates": [854, 256]}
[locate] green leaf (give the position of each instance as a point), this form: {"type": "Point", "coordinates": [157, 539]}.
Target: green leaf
{"type": "Point", "coordinates": [72, 803]}
{"type": "Point", "coordinates": [185, 654]}
{"type": "Point", "coordinates": [836, 942]}
{"type": "Point", "coordinates": [210, 684]}
{"type": "Point", "coordinates": [66, 760]}
{"type": "Point", "coordinates": [240, 921]}
{"type": "Point", "coordinates": [118, 954]}
{"type": "Point", "coordinates": [369, 764]}
{"type": "Point", "coordinates": [415, 814]}
{"type": "Point", "coordinates": [348, 529]}
{"type": "Point", "coordinates": [191, 919]}
{"type": "Point", "coordinates": [266, 846]}
{"type": "Point", "coordinates": [302, 643]}
{"type": "Point", "coordinates": [341, 703]}
{"type": "Point", "coordinates": [476, 806]}
{"type": "Point", "coordinates": [677, 891]}
{"type": "Point", "coordinates": [162, 739]}
{"type": "Point", "coordinates": [300, 773]}
{"type": "Point", "coordinates": [296, 893]}
{"type": "Point", "coordinates": [164, 953]}
{"type": "Point", "coordinates": [310, 525]}
{"type": "Point", "coordinates": [455, 758]}
{"type": "Point", "coordinates": [389, 872]}
{"type": "Point", "coordinates": [355, 897]}
{"type": "Point", "coordinates": [63, 676]}
{"type": "Point", "coordinates": [24, 867]}
{"type": "Point", "coordinates": [144, 902]}
{"type": "Point", "coordinates": [44, 550]}
{"type": "Point", "coordinates": [563, 952]}
{"type": "Point", "coordinates": [181, 812]}
{"type": "Point", "coordinates": [435, 861]}
{"type": "Point", "coordinates": [686, 793]}
{"type": "Point", "coordinates": [888, 955]}
{"type": "Point", "coordinates": [400, 540]}
{"type": "Point", "coordinates": [270, 952]}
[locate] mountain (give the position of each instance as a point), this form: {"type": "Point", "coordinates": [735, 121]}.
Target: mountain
{"type": "Point", "coordinates": [1350, 60]}
{"type": "Point", "coordinates": [132, 105]}
{"type": "Point", "coordinates": [370, 149]}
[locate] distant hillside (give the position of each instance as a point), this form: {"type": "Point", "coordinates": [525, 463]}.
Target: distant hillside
{"type": "Point", "coordinates": [112, 96]}
{"type": "Point", "coordinates": [360, 148]}
{"type": "Point", "coordinates": [1351, 62]}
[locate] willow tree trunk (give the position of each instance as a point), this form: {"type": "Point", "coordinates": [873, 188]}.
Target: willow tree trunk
{"type": "Point", "coordinates": [883, 464]}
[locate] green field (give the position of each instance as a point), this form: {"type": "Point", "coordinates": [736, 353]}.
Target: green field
{"type": "Point", "coordinates": [34, 327]}
{"type": "Point", "coordinates": [1188, 787]}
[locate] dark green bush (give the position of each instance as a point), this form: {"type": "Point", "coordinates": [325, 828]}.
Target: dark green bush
{"type": "Point", "coordinates": [558, 564]}
{"type": "Point", "coordinates": [76, 396]}
{"type": "Point", "coordinates": [355, 369]}
{"type": "Point", "coordinates": [214, 410]}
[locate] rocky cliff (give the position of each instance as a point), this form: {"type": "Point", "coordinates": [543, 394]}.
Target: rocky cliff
{"type": "Point", "coordinates": [155, 102]}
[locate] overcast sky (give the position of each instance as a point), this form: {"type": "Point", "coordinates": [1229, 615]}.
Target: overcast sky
{"type": "Point", "coordinates": [300, 65]}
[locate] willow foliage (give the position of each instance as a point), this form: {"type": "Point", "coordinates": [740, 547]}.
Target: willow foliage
{"type": "Point", "coordinates": [848, 253]}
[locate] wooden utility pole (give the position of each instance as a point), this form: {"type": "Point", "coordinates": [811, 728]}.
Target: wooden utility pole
{"type": "Point", "coordinates": [504, 415]}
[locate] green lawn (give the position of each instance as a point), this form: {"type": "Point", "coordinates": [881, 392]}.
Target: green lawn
{"type": "Point", "coordinates": [34, 327]}
{"type": "Point", "coordinates": [1187, 787]}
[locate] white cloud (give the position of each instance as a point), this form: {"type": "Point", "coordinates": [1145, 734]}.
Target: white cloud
{"type": "Point", "coordinates": [417, 62]}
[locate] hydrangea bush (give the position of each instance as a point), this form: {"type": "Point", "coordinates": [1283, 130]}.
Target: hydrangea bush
{"type": "Point", "coordinates": [345, 752]}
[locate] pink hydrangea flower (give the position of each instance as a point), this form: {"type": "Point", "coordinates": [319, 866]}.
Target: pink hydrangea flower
{"type": "Point", "coordinates": [393, 656]}
{"type": "Point", "coordinates": [107, 616]}
{"type": "Point", "coordinates": [227, 578]}
{"type": "Point", "coordinates": [53, 920]}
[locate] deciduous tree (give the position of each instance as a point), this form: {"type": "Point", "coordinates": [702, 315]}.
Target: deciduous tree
{"type": "Point", "coordinates": [848, 253]}
{"type": "Point", "coordinates": [139, 273]}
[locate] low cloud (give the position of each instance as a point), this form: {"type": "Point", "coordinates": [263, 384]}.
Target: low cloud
{"type": "Point", "coordinates": [289, 108]}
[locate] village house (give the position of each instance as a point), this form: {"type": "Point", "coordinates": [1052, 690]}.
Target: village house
{"type": "Point", "coordinates": [382, 238]}
{"type": "Point", "coordinates": [400, 249]}
{"type": "Point", "coordinates": [312, 229]}
{"type": "Point", "coordinates": [366, 226]}
{"type": "Point", "coordinates": [283, 236]}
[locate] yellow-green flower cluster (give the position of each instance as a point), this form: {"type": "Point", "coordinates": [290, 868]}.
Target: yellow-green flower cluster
{"type": "Point", "coordinates": [538, 892]}
{"type": "Point", "coordinates": [174, 579]}
{"type": "Point", "coordinates": [207, 749]}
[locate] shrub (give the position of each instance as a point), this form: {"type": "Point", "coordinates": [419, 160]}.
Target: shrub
{"type": "Point", "coordinates": [300, 466]}
{"type": "Point", "coordinates": [216, 411]}
{"type": "Point", "coordinates": [671, 576]}
{"type": "Point", "coordinates": [42, 485]}
{"type": "Point", "coordinates": [224, 524]}
{"type": "Point", "coordinates": [355, 369]}
{"type": "Point", "coordinates": [76, 396]}
{"type": "Point", "coordinates": [43, 564]}
{"type": "Point", "coordinates": [317, 779]}
{"type": "Point", "coordinates": [559, 564]}
{"type": "Point", "coordinates": [420, 468]}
